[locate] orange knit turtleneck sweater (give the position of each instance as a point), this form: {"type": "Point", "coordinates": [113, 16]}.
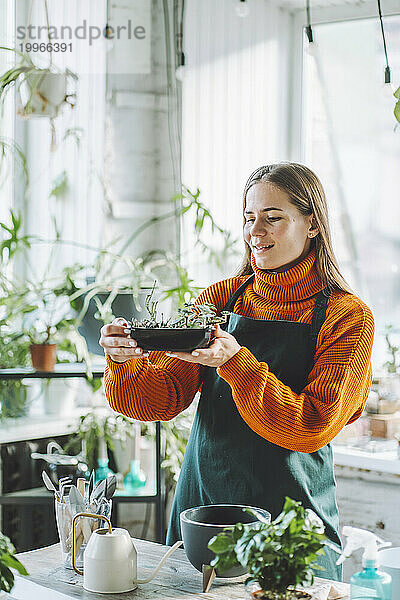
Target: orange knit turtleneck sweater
{"type": "Point", "coordinates": [160, 387]}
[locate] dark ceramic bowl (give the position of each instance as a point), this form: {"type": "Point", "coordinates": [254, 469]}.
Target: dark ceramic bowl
{"type": "Point", "coordinates": [162, 338]}
{"type": "Point", "coordinates": [201, 523]}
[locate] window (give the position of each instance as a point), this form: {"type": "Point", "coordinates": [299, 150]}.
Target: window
{"type": "Point", "coordinates": [349, 140]}
{"type": "Point", "coordinates": [7, 117]}
{"type": "Point", "coordinates": [78, 212]}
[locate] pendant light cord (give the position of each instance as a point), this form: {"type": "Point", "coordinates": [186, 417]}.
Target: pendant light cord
{"type": "Point", "coordinates": [309, 31]}
{"type": "Point", "coordinates": [387, 69]}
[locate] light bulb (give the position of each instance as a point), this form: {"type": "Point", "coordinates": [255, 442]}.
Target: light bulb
{"type": "Point", "coordinates": [180, 73]}
{"type": "Point", "coordinates": [109, 38]}
{"type": "Point", "coordinates": [312, 49]}
{"type": "Point", "coordinates": [388, 90]}
{"type": "Point", "coordinates": [242, 8]}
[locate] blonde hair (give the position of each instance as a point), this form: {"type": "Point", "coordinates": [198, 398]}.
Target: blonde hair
{"type": "Point", "coordinates": [307, 194]}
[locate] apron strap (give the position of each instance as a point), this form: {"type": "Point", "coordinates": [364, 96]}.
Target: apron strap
{"type": "Point", "coordinates": [319, 314]}
{"type": "Point", "coordinates": [231, 302]}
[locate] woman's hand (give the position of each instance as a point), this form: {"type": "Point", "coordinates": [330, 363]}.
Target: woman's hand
{"type": "Point", "coordinates": [117, 343]}
{"type": "Point", "coordinates": [223, 347]}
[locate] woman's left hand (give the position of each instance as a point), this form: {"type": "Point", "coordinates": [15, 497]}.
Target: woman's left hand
{"type": "Point", "coordinates": [223, 347]}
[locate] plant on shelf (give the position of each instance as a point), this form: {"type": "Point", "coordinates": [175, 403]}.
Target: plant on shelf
{"type": "Point", "coordinates": [94, 427]}
{"type": "Point", "coordinates": [385, 395]}
{"type": "Point", "coordinates": [37, 311]}
{"type": "Point", "coordinates": [280, 556]}
{"type": "Point", "coordinates": [44, 319]}
{"type": "Point", "coordinates": [8, 561]}
{"type": "Point", "coordinates": [393, 364]}
{"type": "Point", "coordinates": [14, 352]}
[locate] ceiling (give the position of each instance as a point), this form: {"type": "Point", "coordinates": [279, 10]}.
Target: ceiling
{"type": "Point", "coordinates": [300, 4]}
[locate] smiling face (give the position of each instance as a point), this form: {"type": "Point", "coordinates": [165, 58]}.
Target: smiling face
{"type": "Point", "coordinates": [278, 234]}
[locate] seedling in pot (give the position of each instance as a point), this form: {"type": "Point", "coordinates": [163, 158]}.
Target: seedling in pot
{"type": "Point", "coordinates": [191, 329]}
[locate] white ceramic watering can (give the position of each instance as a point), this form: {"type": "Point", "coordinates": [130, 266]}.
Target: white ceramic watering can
{"type": "Point", "coordinates": [110, 559]}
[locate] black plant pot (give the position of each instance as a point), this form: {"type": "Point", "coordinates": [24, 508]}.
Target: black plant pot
{"type": "Point", "coordinates": [200, 524]}
{"type": "Point", "coordinates": [163, 338]}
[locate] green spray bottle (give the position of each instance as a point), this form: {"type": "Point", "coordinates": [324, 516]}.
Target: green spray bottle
{"type": "Point", "coordinates": [370, 583]}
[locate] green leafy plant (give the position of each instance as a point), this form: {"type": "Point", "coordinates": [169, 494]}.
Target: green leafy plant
{"type": "Point", "coordinates": [14, 352]}
{"type": "Point", "coordinates": [15, 239]}
{"type": "Point", "coordinates": [60, 185]}
{"type": "Point", "coordinates": [397, 105]}
{"type": "Point", "coordinates": [11, 153]}
{"type": "Point", "coordinates": [13, 76]}
{"type": "Point", "coordinates": [279, 556]}
{"type": "Point", "coordinates": [7, 562]}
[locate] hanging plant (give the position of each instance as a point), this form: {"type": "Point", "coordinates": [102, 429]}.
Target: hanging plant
{"type": "Point", "coordinates": [41, 92]}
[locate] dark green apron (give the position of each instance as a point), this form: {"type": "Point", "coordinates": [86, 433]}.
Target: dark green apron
{"type": "Point", "coordinates": [227, 462]}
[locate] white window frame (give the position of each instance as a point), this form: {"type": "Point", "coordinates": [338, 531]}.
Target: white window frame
{"type": "Point", "coordinates": [331, 14]}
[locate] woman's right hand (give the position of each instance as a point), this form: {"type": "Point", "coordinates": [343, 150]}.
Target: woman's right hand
{"type": "Point", "coordinates": [117, 343]}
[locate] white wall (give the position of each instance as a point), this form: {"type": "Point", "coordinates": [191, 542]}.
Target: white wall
{"type": "Point", "coordinates": [141, 170]}
{"type": "Point", "coordinates": [235, 106]}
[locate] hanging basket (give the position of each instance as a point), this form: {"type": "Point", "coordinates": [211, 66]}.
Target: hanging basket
{"type": "Point", "coordinates": [43, 93]}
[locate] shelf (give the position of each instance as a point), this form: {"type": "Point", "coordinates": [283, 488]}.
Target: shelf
{"type": "Point", "coordinates": [385, 461]}
{"type": "Point", "coordinates": [60, 370]}
{"type": "Point", "coordinates": [43, 426]}
{"type": "Point", "coordinates": [41, 495]}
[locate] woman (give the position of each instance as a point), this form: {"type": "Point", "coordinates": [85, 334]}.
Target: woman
{"type": "Point", "coordinates": [289, 372]}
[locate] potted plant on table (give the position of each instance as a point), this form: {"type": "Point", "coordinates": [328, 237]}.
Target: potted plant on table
{"type": "Point", "coordinates": [280, 556]}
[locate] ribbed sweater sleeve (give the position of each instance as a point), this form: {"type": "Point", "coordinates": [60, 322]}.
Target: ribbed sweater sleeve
{"type": "Point", "coordinates": [337, 386]}
{"type": "Point", "coordinates": [160, 387]}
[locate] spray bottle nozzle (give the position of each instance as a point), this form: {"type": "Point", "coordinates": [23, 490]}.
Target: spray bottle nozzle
{"type": "Point", "coordinates": [361, 538]}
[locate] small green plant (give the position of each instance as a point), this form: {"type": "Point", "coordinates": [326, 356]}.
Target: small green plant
{"type": "Point", "coordinates": [8, 562]}
{"type": "Point", "coordinates": [279, 556]}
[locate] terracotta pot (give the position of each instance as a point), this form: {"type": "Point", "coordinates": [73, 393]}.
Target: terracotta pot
{"type": "Point", "coordinates": [43, 356]}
